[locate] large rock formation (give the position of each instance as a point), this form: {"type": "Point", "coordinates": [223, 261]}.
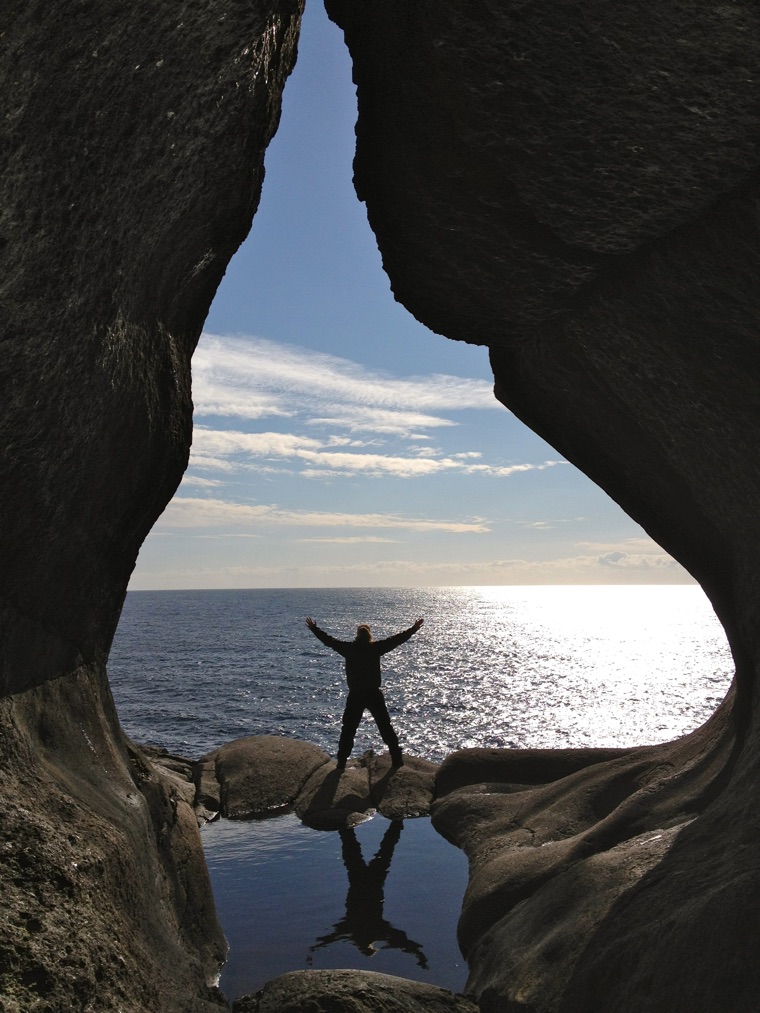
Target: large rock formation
{"type": "Point", "coordinates": [132, 149]}
{"type": "Point", "coordinates": [575, 185]}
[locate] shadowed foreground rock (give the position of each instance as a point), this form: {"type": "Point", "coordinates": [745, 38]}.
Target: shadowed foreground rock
{"type": "Point", "coordinates": [132, 149]}
{"type": "Point", "coordinates": [332, 799]}
{"type": "Point", "coordinates": [351, 992]}
{"type": "Point", "coordinates": [577, 188]}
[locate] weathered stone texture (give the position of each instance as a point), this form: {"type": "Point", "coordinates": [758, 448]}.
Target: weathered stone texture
{"type": "Point", "coordinates": [131, 154]}
{"type": "Point", "coordinates": [575, 185]}
{"type": "Point", "coordinates": [351, 992]}
{"type": "Point", "coordinates": [260, 774]}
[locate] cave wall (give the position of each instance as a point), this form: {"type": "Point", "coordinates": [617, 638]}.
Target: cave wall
{"type": "Point", "coordinates": [571, 184]}
{"type": "Point", "coordinates": [575, 185]}
{"type": "Point", "coordinates": [132, 160]}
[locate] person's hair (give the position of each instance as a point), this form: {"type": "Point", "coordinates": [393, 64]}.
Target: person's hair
{"type": "Point", "coordinates": [363, 632]}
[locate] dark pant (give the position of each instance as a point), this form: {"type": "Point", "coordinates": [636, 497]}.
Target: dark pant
{"type": "Point", "coordinates": [357, 702]}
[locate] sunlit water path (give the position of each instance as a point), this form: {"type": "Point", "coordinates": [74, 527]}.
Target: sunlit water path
{"type": "Point", "coordinates": [527, 666]}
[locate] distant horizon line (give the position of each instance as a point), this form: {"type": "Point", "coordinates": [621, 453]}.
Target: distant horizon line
{"type": "Point", "coordinates": [413, 587]}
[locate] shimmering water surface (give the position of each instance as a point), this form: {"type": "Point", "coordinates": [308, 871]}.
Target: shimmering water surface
{"type": "Point", "coordinates": [527, 667]}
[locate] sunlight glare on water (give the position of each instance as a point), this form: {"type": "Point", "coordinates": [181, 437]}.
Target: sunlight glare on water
{"type": "Point", "coordinates": [559, 666]}
{"type": "Point", "coordinates": [492, 666]}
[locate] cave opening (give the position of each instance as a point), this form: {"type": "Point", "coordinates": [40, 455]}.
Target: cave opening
{"type": "Point", "coordinates": [349, 463]}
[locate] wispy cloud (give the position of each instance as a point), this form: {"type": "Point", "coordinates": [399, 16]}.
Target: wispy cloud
{"type": "Point", "coordinates": [351, 540]}
{"type": "Point", "coordinates": [228, 450]}
{"type": "Point", "coordinates": [250, 378]}
{"type": "Point", "coordinates": [202, 483]}
{"type": "Point", "coordinates": [190, 512]}
{"type": "Point", "coordinates": [317, 400]}
{"type": "Point", "coordinates": [544, 525]}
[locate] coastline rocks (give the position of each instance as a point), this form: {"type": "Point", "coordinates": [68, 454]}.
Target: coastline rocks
{"type": "Point", "coordinates": [351, 992]}
{"type": "Point", "coordinates": [333, 798]}
{"type": "Point", "coordinates": [579, 192]}
{"type": "Point", "coordinates": [107, 902]}
{"type": "Point", "coordinates": [550, 862]}
{"type": "Point", "coordinates": [259, 774]}
{"type": "Point", "coordinates": [401, 792]}
{"type": "Point", "coordinates": [528, 954]}
{"type": "Point", "coordinates": [515, 769]}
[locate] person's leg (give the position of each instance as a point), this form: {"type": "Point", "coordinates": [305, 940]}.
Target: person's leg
{"type": "Point", "coordinates": [376, 705]}
{"type": "Point", "coordinates": [352, 715]}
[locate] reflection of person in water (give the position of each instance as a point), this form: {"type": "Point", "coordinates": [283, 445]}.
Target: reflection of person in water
{"type": "Point", "coordinates": [363, 923]}
{"type": "Point", "coordinates": [363, 676]}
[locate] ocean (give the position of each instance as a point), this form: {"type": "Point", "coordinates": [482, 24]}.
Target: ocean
{"type": "Point", "coordinates": [509, 667]}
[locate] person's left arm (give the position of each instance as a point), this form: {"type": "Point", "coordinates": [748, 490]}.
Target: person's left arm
{"type": "Point", "coordinates": [400, 638]}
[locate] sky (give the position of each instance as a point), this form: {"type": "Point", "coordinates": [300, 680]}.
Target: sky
{"type": "Point", "coordinates": [337, 441]}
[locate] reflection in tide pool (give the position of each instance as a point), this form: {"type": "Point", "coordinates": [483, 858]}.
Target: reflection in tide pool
{"type": "Point", "coordinates": [384, 896]}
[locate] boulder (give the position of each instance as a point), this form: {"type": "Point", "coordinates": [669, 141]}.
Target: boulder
{"type": "Point", "coordinates": [401, 793]}
{"type": "Point", "coordinates": [333, 798]}
{"type": "Point", "coordinates": [351, 992]}
{"type": "Point", "coordinates": [259, 774]}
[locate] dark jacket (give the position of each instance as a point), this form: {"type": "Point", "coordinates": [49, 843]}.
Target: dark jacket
{"type": "Point", "coordinates": [362, 656]}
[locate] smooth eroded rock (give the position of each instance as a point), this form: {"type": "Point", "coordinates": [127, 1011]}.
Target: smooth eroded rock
{"type": "Point", "coordinates": [132, 155]}
{"type": "Point", "coordinates": [259, 774]}
{"type": "Point", "coordinates": [351, 992]}
{"type": "Point", "coordinates": [334, 798]}
{"type": "Point", "coordinates": [578, 191]}
{"type": "Point", "coordinates": [401, 792]}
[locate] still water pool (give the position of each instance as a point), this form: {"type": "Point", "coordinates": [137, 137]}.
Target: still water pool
{"type": "Point", "coordinates": [383, 896]}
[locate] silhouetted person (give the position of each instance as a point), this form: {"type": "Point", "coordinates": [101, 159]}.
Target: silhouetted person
{"type": "Point", "coordinates": [363, 923]}
{"type": "Point", "coordinates": [363, 676]}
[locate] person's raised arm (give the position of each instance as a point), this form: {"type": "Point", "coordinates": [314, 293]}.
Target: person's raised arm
{"type": "Point", "coordinates": [326, 639]}
{"type": "Point", "coordinates": [400, 638]}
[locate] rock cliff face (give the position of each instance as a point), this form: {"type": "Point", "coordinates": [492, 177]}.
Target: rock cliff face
{"type": "Point", "coordinates": [576, 186]}
{"type": "Point", "coordinates": [132, 151]}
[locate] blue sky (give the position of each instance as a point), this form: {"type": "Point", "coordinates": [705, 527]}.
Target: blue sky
{"type": "Point", "coordinates": [337, 441]}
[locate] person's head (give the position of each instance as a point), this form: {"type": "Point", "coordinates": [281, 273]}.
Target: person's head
{"type": "Point", "coordinates": [363, 633]}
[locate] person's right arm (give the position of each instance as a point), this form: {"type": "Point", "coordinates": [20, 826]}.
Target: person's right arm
{"type": "Point", "coordinates": [326, 639]}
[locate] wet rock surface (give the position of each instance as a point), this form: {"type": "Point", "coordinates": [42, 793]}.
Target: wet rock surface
{"type": "Point", "coordinates": [351, 992]}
